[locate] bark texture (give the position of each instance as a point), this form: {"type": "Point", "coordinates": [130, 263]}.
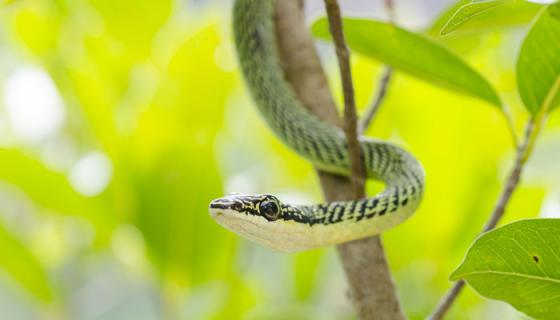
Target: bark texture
{"type": "Point", "coordinates": [372, 289]}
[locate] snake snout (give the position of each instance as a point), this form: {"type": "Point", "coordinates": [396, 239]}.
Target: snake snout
{"type": "Point", "coordinates": [217, 204]}
{"type": "Point", "coordinates": [217, 208]}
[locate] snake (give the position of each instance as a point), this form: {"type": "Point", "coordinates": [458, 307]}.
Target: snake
{"type": "Point", "coordinates": [264, 218]}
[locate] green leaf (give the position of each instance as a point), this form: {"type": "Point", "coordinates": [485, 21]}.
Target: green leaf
{"type": "Point", "coordinates": [509, 14]}
{"type": "Point", "coordinates": [538, 65]}
{"type": "Point", "coordinates": [306, 265]}
{"type": "Point", "coordinates": [172, 213]}
{"type": "Point", "coordinates": [19, 262]}
{"type": "Point", "coordinates": [413, 54]}
{"type": "Point", "coordinates": [518, 263]}
{"type": "Point", "coordinates": [45, 187]}
{"type": "Point", "coordinates": [467, 12]}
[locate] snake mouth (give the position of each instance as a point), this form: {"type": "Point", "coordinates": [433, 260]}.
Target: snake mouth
{"type": "Point", "coordinates": [219, 205]}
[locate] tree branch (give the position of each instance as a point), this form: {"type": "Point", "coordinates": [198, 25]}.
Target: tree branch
{"type": "Point", "coordinates": [512, 182]}
{"type": "Point", "coordinates": [372, 289]}
{"type": "Point", "coordinates": [350, 117]}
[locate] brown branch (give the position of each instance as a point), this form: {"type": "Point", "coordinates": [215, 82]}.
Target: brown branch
{"type": "Point", "coordinates": [447, 300]}
{"type": "Point", "coordinates": [372, 289]}
{"type": "Point", "coordinates": [350, 117]}
{"type": "Point", "coordinates": [500, 208]}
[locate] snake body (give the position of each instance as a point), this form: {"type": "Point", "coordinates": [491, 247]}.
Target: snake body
{"type": "Point", "coordinates": [264, 218]}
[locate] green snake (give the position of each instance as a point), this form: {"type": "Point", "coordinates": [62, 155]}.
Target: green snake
{"type": "Point", "coordinates": [266, 220]}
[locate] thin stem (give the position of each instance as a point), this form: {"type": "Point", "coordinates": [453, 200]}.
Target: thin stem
{"type": "Point", "coordinates": [390, 9]}
{"type": "Point", "coordinates": [383, 83]}
{"type": "Point", "coordinates": [511, 127]}
{"type": "Point", "coordinates": [522, 154]}
{"type": "Point", "coordinates": [350, 116]}
{"type": "Point", "coordinates": [524, 151]}
{"type": "Point", "coordinates": [372, 289]}
{"type": "Point", "coordinates": [378, 100]}
{"type": "Point", "coordinates": [447, 300]}
{"type": "Point", "coordinates": [542, 114]}
{"type": "Point", "coordinates": [538, 123]}
{"type": "Point", "coordinates": [513, 180]}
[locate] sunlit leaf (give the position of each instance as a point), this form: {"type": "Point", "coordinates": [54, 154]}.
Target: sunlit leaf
{"type": "Point", "coordinates": [412, 53]}
{"type": "Point", "coordinates": [508, 14]}
{"type": "Point", "coordinates": [7, 2]}
{"type": "Point", "coordinates": [467, 12]}
{"type": "Point", "coordinates": [518, 263]}
{"type": "Point", "coordinates": [48, 189]}
{"type": "Point", "coordinates": [37, 29]}
{"type": "Point", "coordinates": [543, 1]}
{"type": "Point", "coordinates": [19, 262]}
{"type": "Point", "coordinates": [538, 66]}
{"type": "Point", "coordinates": [239, 299]}
{"type": "Point", "coordinates": [174, 170]}
{"type": "Point", "coordinates": [173, 215]}
{"type": "Point", "coordinates": [134, 24]}
{"type": "Point", "coordinates": [306, 265]}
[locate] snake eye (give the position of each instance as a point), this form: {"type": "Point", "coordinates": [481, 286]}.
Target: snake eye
{"type": "Point", "coordinates": [270, 210]}
{"type": "Point", "coordinates": [236, 206]}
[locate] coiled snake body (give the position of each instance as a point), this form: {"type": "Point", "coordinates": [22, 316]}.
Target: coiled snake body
{"type": "Point", "coordinates": [264, 218]}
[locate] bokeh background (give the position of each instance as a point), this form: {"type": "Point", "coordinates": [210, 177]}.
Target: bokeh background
{"type": "Point", "coordinates": [121, 120]}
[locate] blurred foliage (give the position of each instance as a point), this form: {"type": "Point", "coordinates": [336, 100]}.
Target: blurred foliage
{"type": "Point", "coordinates": [153, 86]}
{"type": "Point", "coordinates": [490, 14]}
{"type": "Point", "coordinates": [467, 12]}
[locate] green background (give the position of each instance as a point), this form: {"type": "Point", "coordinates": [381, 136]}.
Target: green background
{"type": "Point", "coordinates": [150, 97]}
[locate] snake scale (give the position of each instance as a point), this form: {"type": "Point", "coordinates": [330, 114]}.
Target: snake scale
{"type": "Point", "coordinates": [266, 220]}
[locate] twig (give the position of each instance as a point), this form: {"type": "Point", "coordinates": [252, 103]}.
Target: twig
{"type": "Point", "coordinates": [497, 214]}
{"type": "Point", "coordinates": [383, 83]}
{"type": "Point", "coordinates": [390, 8]}
{"type": "Point", "coordinates": [372, 289]}
{"type": "Point", "coordinates": [447, 300]}
{"type": "Point", "coordinates": [378, 100]}
{"type": "Point", "coordinates": [512, 181]}
{"type": "Point", "coordinates": [511, 127]}
{"type": "Point", "coordinates": [350, 117]}
{"type": "Point", "coordinates": [357, 255]}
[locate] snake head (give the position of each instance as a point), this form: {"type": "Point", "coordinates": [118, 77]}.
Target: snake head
{"type": "Point", "coordinates": [262, 219]}
{"type": "Point", "coordinates": [237, 204]}
{"type": "Point", "coordinates": [258, 218]}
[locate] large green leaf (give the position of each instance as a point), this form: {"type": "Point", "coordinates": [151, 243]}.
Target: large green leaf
{"type": "Point", "coordinates": [520, 264]}
{"type": "Point", "coordinates": [413, 54]}
{"type": "Point", "coordinates": [508, 14]}
{"type": "Point", "coordinates": [467, 12]}
{"type": "Point", "coordinates": [19, 262]}
{"type": "Point", "coordinates": [538, 66]}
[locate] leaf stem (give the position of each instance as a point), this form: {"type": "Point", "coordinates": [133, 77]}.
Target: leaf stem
{"type": "Point", "coordinates": [378, 100]}
{"type": "Point", "coordinates": [383, 85]}
{"type": "Point", "coordinates": [541, 116]}
{"type": "Point", "coordinates": [511, 127]}
{"type": "Point", "coordinates": [390, 9]}
{"type": "Point", "coordinates": [372, 289]}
